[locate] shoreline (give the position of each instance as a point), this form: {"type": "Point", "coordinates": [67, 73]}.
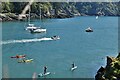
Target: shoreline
{"type": "Point", "coordinates": [6, 17]}
{"type": "Point", "coordinates": [15, 17]}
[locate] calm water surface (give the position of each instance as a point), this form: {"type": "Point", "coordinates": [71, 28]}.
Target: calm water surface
{"type": "Point", "coordinates": [87, 50]}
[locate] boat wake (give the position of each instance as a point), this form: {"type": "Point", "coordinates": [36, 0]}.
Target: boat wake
{"type": "Point", "coordinates": [25, 40]}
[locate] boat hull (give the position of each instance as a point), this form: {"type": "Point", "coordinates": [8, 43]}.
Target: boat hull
{"type": "Point", "coordinates": [89, 30]}
{"type": "Point", "coordinates": [20, 56]}
{"type": "Point", "coordinates": [25, 61]}
{"type": "Point", "coordinates": [38, 31]}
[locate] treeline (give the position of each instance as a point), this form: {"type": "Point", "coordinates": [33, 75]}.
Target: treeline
{"type": "Point", "coordinates": [59, 9]}
{"type": "Point", "coordinates": [17, 7]}
{"type": "Point", "coordinates": [99, 8]}
{"type": "Point", "coordinates": [84, 8]}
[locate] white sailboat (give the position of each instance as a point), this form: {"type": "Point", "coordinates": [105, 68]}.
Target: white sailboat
{"type": "Point", "coordinates": [38, 30]}
{"type": "Point", "coordinates": [32, 28]}
{"type": "Point", "coordinates": [96, 17]}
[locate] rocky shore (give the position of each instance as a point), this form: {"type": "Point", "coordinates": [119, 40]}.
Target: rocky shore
{"type": "Point", "coordinates": [111, 71]}
{"type": "Point", "coordinates": [15, 17]}
{"type": "Point", "coordinates": [8, 17]}
{"type": "Point", "coordinates": [10, 10]}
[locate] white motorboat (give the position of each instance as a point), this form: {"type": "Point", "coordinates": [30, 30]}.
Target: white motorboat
{"type": "Point", "coordinates": [55, 37]}
{"type": "Point", "coordinates": [96, 17]}
{"type": "Point", "coordinates": [88, 29]}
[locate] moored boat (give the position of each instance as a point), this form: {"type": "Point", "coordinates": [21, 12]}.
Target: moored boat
{"type": "Point", "coordinates": [88, 29]}
{"type": "Point", "coordinates": [38, 30]}
{"type": "Point", "coordinates": [34, 29]}
{"type": "Point", "coordinates": [31, 26]}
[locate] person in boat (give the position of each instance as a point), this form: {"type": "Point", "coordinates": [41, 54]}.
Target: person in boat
{"type": "Point", "coordinates": [73, 65]}
{"type": "Point", "coordinates": [53, 37]}
{"type": "Point", "coordinates": [17, 56]}
{"type": "Point", "coordinates": [45, 69]}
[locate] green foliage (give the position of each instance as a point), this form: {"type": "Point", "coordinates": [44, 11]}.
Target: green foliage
{"type": "Point", "coordinates": [18, 6]}
{"type": "Point", "coordinates": [34, 7]}
{"type": "Point", "coordinates": [81, 7]}
{"type": "Point", "coordinates": [46, 7]}
{"type": "Point", "coordinates": [113, 70]}
{"type": "Point", "coordinates": [0, 7]}
{"type": "Point", "coordinates": [6, 7]}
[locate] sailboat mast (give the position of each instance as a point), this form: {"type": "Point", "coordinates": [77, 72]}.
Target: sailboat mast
{"type": "Point", "coordinates": [40, 12]}
{"type": "Point", "coordinates": [29, 15]}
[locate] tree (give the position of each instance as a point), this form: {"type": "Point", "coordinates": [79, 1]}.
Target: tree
{"type": "Point", "coordinates": [5, 7]}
